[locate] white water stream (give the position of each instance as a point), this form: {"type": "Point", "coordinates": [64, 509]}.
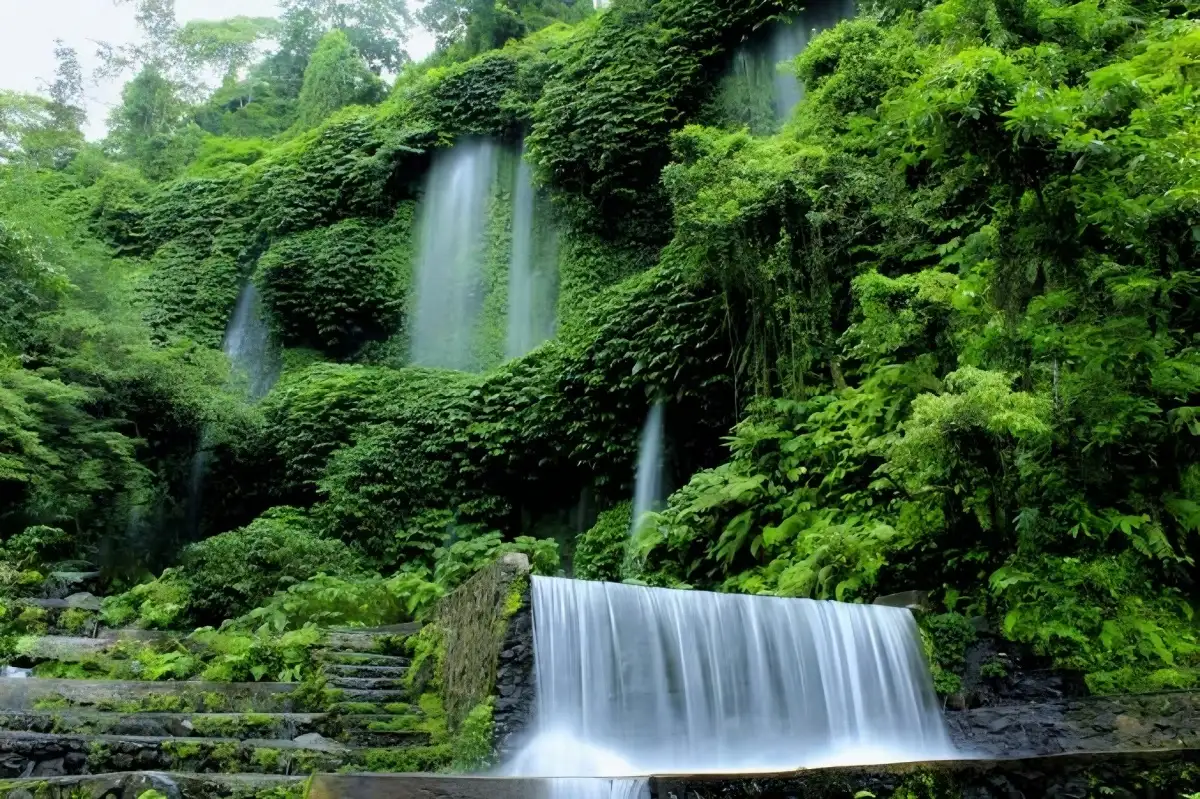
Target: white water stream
{"type": "Point", "coordinates": [636, 681]}
{"type": "Point", "coordinates": [449, 291]}
{"type": "Point", "coordinates": [649, 484]}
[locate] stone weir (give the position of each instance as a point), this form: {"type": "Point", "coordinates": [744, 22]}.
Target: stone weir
{"type": "Point", "coordinates": [1127, 775]}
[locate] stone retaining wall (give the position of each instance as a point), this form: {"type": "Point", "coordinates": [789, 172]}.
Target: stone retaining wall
{"type": "Point", "coordinates": [487, 634]}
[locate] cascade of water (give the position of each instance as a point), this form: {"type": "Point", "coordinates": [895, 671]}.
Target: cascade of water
{"type": "Point", "coordinates": [759, 86]}
{"type": "Point", "coordinates": [637, 681]}
{"type": "Point", "coordinates": [249, 347]}
{"type": "Point", "coordinates": [255, 360]}
{"type": "Point", "coordinates": [789, 40]}
{"type": "Point", "coordinates": [649, 483]}
{"type": "Point", "coordinates": [533, 269]}
{"type": "Point", "coordinates": [448, 293]}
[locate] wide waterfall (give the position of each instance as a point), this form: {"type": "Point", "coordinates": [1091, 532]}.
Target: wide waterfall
{"type": "Point", "coordinates": [649, 481]}
{"type": "Point", "coordinates": [638, 681]}
{"type": "Point", "coordinates": [533, 268]}
{"type": "Point", "coordinates": [449, 286]}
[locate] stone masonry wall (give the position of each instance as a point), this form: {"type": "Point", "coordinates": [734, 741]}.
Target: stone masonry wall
{"type": "Point", "coordinates": [475, 621]}
{"type": "Point", "coordinates": [515, 685]}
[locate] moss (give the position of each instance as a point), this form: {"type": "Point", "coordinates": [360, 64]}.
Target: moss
{"type": "Point", "coordinates": [75, 620]}
{"type": "Point", "coordinates": [98, 756]}
{"type": "Point", "coordinates": [266, 759]}
{"type": "Point", "coordinates": [397, 707]}
{"type": "Point", "coordinates": [472, 746]}
{"type": "Point", "coordinates": [181, 751]}
{"type": "Point", "coordinates": [355, 708]}
{"type": "Point", "coordinates": [418, 758]}
{"type": "Point", "coordinates": [227, 755]}
{"type": "Point", "coordinates": [51, 702]}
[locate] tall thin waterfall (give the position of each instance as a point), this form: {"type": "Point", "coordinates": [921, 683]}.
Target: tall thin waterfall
{"type": "Point", "coordinates": [637, 681]}
{"type": "Point", "coordinates": [789, 40]}
{"type": "Point", "coordinates": [249, 347]}
{"type": "Point", "coordinates": [449, 276]}
{"type": "Point", "coordinates": [760, 91]}
{"type": "Point", "coordinates": [533, 269]}
{"type": "Point", "coordinates": [649, 483]}
{"type": "Point", "coordinates": [256, 366]}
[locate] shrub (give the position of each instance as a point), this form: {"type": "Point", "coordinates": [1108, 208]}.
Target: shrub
{"type": "Point", "coordinates": [231, 573]}
{"type": "Point", "coordinates": [600, 552]}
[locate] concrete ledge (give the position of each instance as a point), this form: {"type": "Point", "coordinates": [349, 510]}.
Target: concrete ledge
{"type": "Point", "coordinates": [1130, 775]}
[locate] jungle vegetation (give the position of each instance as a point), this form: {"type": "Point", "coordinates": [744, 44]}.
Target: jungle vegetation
{"type": "Point", "coordinates": [938, 331]}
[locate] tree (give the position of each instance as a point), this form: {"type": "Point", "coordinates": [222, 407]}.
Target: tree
{"type": "Point", "coordinates": [336, 77]}
{"type": "Point", "coordinates": [66, 92]}
{"type": "Point", "coordinates": [376, 28]}
{"type": "Point", "coordinates": [146, 128]}
{"type": "Point", "coordinates": [225, 46]}
{"type": "Point", "coordinates": [32, 131]}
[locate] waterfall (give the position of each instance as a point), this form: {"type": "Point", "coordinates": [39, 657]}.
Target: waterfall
{"type": "Point", "coordinates": [789, 40]}
{"type": "Point", "coordinates": [249, 347]}
{"type": "Point", "coordinates": [255, 364]}
{"type": "Point", "coordinates": [639, 681]}
{"type": "Point", "coordinates": [448, 291]}
{"type": "Point", "coordinates": [760, 91]}
{"type": "Point", "coordinates": [649, 484]}
{"type": "Point", "coordinates": [532, 270]}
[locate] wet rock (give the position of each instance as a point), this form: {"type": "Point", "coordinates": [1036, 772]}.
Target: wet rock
{"type": "Point", "coordinates": [315, 740]}
{"type": "Point", "coordinates": [140, 725]}
{"type": "Point", "coordinates": [50, 768]}
{"type": "Point", "coordinates": [83, 601]}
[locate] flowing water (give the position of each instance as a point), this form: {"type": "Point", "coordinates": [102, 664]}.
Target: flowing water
{"type": "Point", "coordinates": [789, 40]}
{"type": "Point", "coordinates": [255, 365]}
{"type": "Point", "coordinates": [533, 269]}
{"type": "Point", "coordinates": [249, 347]}
{"type": "Point", "coordinates": [638, 681]}
{"type": "Point", "coordinates": [449, 284]}
{"type": "Point", "coordinates": [649, 485]}
{"type": "Point", "coordinates": [765, 91]}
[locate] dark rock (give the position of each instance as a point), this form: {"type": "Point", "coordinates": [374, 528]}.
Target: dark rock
{"type": "Point", "coordinates": [50, 768]}
{"type": "Point", "coordinates": [140, 725]}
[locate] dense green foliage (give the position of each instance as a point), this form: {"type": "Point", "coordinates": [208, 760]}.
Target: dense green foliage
{"type": "Point", "coordinates": [943, 317]}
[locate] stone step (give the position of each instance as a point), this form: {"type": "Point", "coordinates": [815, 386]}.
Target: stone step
{"type": "Point", "coordinates": [404, 629]}
{"type": "Point", "coordinates": [374, 697]}
{"type": "Point", "coordinates": [342, 670]}
{"type": "Point", "coordinates": [367, 683]}
{"type": "Point", "coordinates": [137, 695]}
{"type": "Point", "coordinates": [384, 739]}
{"type": "Point", "coordinates": [75, 648]}
{"type": "Point", "coordinates": [62, 584]}
{"type": "Point", "coordinates": [29, 754]}
{"type": "Point", "coordinates": [357, 642]}
{"type": "Point", "coordinates": [341, 658]}
{"type": "Point", "coordinates": [384, 709]}
{"type": "Point", "coordinates": [180, 725]}
{"type": "Point", "coordinates": [80, 601]}
{"type": "Point", "coordinates": [133, 785]}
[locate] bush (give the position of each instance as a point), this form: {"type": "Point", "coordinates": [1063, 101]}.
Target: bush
{"type": "Point", "coordinates": [336, 288]}
{"type": "Point", "coordinates": [231, 573]}
{"type": "Point", "coordinates": [600, 552]}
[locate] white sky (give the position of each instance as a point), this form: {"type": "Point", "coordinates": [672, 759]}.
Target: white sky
{"type": "Point", "coordinates": [28, 29]}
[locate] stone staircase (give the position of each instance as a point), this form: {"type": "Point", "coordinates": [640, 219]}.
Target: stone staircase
{"type": "Point", "coordinates": [120, 738]}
